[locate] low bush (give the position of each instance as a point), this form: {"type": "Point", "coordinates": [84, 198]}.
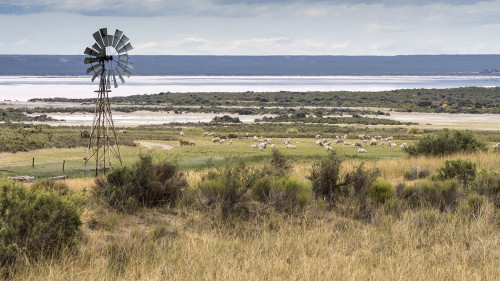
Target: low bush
{"type": "Point", "coordinates": [285, 194]}
{"type": "Point", "coordinates": [35, 222]}
{"type": "Point", "coordinates": [325, 177]}
{"type": "Point", "coordinates": [145, 184]}
{"type": "Point", "coordinates": [416, 172]}
{"type": "Point", "coordinates": [446, 142]}
{"type": "Point", "coordinates": [462, 170]}
{"type": "Point", "coordinates": [381, 191]}
{"type": "Point", "coordinates": [444, 195]}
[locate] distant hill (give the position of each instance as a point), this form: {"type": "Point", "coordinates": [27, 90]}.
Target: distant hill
{"type": "Point", "coordinates": [72, 65]}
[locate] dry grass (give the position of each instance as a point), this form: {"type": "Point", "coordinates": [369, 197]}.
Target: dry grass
{"type": "Point", "coordinates": [318, 245]}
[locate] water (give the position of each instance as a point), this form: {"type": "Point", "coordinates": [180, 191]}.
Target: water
{"type": "Point", "coordinates": [23, 88]}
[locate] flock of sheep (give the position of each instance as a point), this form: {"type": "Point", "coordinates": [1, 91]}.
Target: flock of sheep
{"type": "Point", "coordinates": [262, 143]}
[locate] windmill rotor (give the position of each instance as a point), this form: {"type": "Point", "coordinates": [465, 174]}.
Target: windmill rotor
{"type": "Point", "coordinates": [108, 57]}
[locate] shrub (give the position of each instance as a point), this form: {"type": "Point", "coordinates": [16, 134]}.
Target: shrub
{"type": "Point", "coordinates": [226, 188]}
{"type": "Point", "coordinates": [361, 180]}
{"type": "Point", "coordinates": [381, 191]}
{"type": "Point", "coordinates": [289, 195]}
{"type": "Point", "coordinates": [474, 203]}
{"type": "Point", "coordinates": [35, 222]}
{"type": "Point", "coordinates": [446, 142]}
{"type": "Point", "coordinates": [278, 161]}
{"type": "Point", "coordinates": [145, 183]}
{"type": "Point", "coordinates": [464, 171]}
{"type": "Point", "coordinates": [325, 176]}
{"type": "Point", "coordinates": [444, 195]}
{"type": "Point", "coordinates": [51, 185]}
{"type": "Point", "coordinates": [416, 172]}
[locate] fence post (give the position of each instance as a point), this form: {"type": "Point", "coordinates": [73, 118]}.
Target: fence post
{"type": "Point", "coordinates": [33, 163]}
{"type": "Point", "coordinates": [64, 161]}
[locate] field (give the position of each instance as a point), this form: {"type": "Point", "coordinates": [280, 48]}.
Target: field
{"type": "Point", "coordinates": [400, 239]}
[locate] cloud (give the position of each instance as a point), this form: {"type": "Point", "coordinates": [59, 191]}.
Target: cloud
{"type": "Point", "coordinates": [20, 43]}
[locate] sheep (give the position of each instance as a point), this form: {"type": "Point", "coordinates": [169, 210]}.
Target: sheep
{"type": "Point", "coordinates": [394, 145]}
{"type": "Point", "coordinates": [205, 134]}
{"type": "Point", "coordinates": [182, 134]}
{"type": "Point", "coordinates": [358, 144]}
{"type": "Point", "coordinates": [216, 139]}
{"type": "Point", "coordinates": [222, 141]}
{"type": "Point", "coordinates": [297, 142]}
{"type": "Point", "coordinates": [319, 143]}
{"type": "Point", "coordinates": [247, 134]}
{"type": "Point", "coordinates": [262, 146]}
{"type": "Point", "coordinates": [361, 137]}
{"type": "Point", "coordinates": [389, 139]}
{"type": "Point", "coordinates": [347, 143]}
{"type": "Point", "coordinates": [291, 146]}
{"type": "Point", "coordinates": [339, 141]}
{"type": "Point", "coordinates": [287, 141]}
{"type": "Point", "coordinates": [274, 146]}
{"type": "Point", "coordinates": [123, 131]}
{"type": "Point", "coordinates": [192, 143]}
{"type": "Point", "coordinates": [373, 141]}
{"type": "Point", "coordinates": [255, 138]}
{"type": "Point", "coordinates": [318, 136]}
{"type": "Point", "coordinates": [230, 142]}
{"type": "Point", "coordinates": [382, 144]}
{"type": "Point", "coordinates": [403, 145]}
{"type": "Point", "coordinates": [254, 146]}
{"type": "Point", "coordinates": [361, 150]}
{"type": "Point", "coordinates": [212, 134]}
{"type": "Point", "coordinates": [328, 148]}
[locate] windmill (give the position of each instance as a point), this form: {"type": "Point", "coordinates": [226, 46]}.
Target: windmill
{"type": "Point", "coordinates": [108, 58]}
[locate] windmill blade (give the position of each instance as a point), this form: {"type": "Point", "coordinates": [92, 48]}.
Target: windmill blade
{"type": "Point", "coordinates": [114, 79]}
{"type": "Point", "coordinates": [97, 48]}
{"type": "Point", "coordinates": [90, 52]}
{"type": "Point", "coordinates": [104, 34]}
{"type": "Point", "coordinates": [126, 63]}
{"type": "Point", "coordinates": [95, 75]}
{"type": "Point", "coordinates": [123, 57]}
{"type": "Point", "coordinates": [90, 60]}
{"type": "Point", "coordinates": [98, 39]}
{"type": "Point", "coordinates": [93, 68]}
{"type": "Point", "coordinates": [127, 73]}
{"type": "Point", "coordinates": [108, 83]}
{"type": "Point", "coordinates": [122, 42]}
{"type": "Point", "coordinates": [125, 48]}
{"type": "Point", "coordinates": [109, 40]}
{"type": "Point", "coordinates": [120, 76]}
{"type": "Point", "coordinates": [117, 37]}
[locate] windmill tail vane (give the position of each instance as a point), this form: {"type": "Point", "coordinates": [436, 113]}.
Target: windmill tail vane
{"type": "Point", "coordinates": [106, 59]}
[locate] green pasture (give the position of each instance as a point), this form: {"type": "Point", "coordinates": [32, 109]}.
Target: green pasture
{"type": "Point", "coordinates": [49, 162]}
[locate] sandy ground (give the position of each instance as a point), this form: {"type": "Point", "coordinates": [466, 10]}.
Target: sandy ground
{"type": "Point", "coordinates": [149, 145]}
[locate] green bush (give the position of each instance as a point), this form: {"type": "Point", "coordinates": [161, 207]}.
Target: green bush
{"type": "Point", "coordinates": [474, 203]}
{"type": "Point", "coordinates": [444, 195]}
{"type": "Point", "coordinates": [446, 142]}
{"type": "Point", "coordinates": [416, 172]}
{"type": "Point", "coordinates": [381, 191]}
{"type": "Point", "coordinates": [325, 177]}
{"type": "Point", "coordinates": [361, 180]}
{"type": "Point", "coordinates": [35, 222]}
{"type": "Point", "coordinates": [145, 184]}
{"type": "Point", "coordinates": [462, 170]}
{"type": "Point", "coordinates": [289, 195]}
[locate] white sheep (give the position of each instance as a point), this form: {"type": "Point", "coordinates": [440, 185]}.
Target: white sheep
{"type": "Point", "coordinates": [318, 136]}
{"type": "Point", "coordinates": [182, 134]}
{"type": "Point", "coordinates": [403, 145]}
{"type": "Point", "coordinates": [358, 144]}
{"type": "Point", "coordinates": [339, 141]}
{"type": "Point", "coordinates": [394, 145]}
{"type": "Point", "coordinates": [216, 139]}
{"type": "Point", "coordinates": [247, 134]}
{"type": "Point", "coordinates": [192, 143]}
{"type": "Point", "coordinates": [328, 148]}
{"type": "Point", "coordinates": [291, 146]}
{"type": "Point", "coordinates": [230, 142]}
{"type": "Point", "coordinates": [382, 144]}
{"type": "Point", "coordinates": [373, 141]}
{"type": "Point", "coordinates": [347, 143]}
{"type": "Point", "coordinates": [254, 146]}
{"type": "Point", "coordinates": [361, 150]}
{"type": "Point", "coordinates": [297, 142]}
{"type": "Point", "coordinates": [273, 146]}
{"type": "Point", "coordinates": [262, 146]}
{"type": "Point", "coordinates": [205, 134]}
{"type": "Point", "coordinates": [319, 143]}
{"type": "Point", "coordinates": [255, 138]}
{"type": "Point", "coordinates": [222, 141]}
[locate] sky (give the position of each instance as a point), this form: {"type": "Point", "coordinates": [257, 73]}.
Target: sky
{"type": "Point", "coordinates": [255, 27]}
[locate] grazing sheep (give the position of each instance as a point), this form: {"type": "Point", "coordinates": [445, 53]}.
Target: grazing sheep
{"type": "Point", "coordinates": [358, 144]}
{"type": "Point", "coordinates": [291, 146]}
{"type": "Point", "coordinates": [496, 145]}
{"type": "Point", "coordinates": [182, 134]}
{"type": "Point", "coordinates": [287, 141]}
{"type": "Point", "coordinates": [123, 131]}
{"type": "Point", "coordinates": [247, 134]}
{"type": "Point", "coordinates": [318, 136]}
{"type": "Point", "coordinates": [389, 139]}
{"type": "Point", "coordinates": [361, 137]}
{"type": "Point", "coordinates": [339, 141]}
{"type": "Point", "coordinates": [222, 141]}
{"type": "Point", "coordinates": [347, 143]}
{"type": "Point", "coordinates": [403, 145]}
{"type": "Point", "coordinates": [344, 136]}
{"type": "Point", "coordinates": [230, 142]}
{"type": "Point", "coordinates": [274, 146]}
{"type": "Point", "coordinates": [361, 150]}
{"type": "Point", "coordinates": [382, 144]}
{"type": "Point", "coordinates": [216, 139]}
{"type": "Point", "coordinates": [297, 142]}
{"type": "Point", "coordinates": [262, 146]}
{"type": "Point", "coordinates": [319, 143]}
{"type": "Point", "coordinates": [212, 134]}
{"type": "Point", "coordinates": [192, 143]}
{"type": "Point", "coordinates": [205, 134]}
{"type": "Point", "coordinates": [255, 138]}
{"type": "Point", "coordinates": [373, 141]}
{"type": "Point", "coordinates": [328, 148]}
{"type": "Point", "coordinates": [394, 145]}
{"type": "Point", "coordinates": [254, 146]}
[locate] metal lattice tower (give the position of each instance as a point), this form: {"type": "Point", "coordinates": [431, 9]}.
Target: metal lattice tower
{"type": "Point", "coordinates": [108, 57]}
